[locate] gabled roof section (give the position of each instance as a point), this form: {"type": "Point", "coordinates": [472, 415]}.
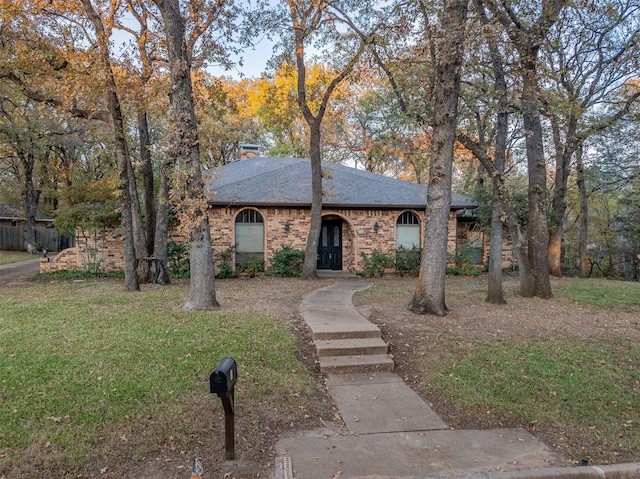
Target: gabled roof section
{"type": "Point", "coordinates": [264, 181]}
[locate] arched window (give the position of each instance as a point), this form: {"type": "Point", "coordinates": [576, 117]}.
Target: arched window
{"type": "Point", "coordinates": [408, 230]}
{"type": "Point", "coordinates": [249, 236]}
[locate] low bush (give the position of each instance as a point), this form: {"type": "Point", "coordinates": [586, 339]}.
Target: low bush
{"type": "Point", "coordinates": [178, 260]}
{"type": "Point", "coordinates": [251, 268]}
{"type": "Point", "coordinates": [375, 264]}
{"type": "Point", "coordinates": [408, 261]}
{"type": "Point", "coordinates": [224, 259]}
{"type": "Point", "coordinates": [287, 262]}
{"type": "Point", "coordinates": [463, 262]}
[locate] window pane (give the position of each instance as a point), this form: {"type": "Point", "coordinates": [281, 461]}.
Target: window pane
{"type": "Point", "coordinates": [325, 241]}
{"type": "Point", "coordinates": [249, 216]}
{"type": "Point", "coordinates": [336, 236]}
{"type": "Point", "coordinates": [407, 236]}
{"type": "Point", "coordinates": [250, 237]}
{"type": "Point", "coordinates": [408, 218]}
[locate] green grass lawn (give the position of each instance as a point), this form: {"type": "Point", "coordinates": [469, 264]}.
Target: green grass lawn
{"type": "Point", "coordinates": [79, 361]}
{"type": "Point", "coordinates": [7, 257]}
{"type": "Point", "coordinates": [84, 362]}
{"type": "Point", "coordinates": [600, 292]}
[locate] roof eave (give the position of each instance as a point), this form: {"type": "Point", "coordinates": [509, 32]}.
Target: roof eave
{"type": "Point", "coordinates": [329, 205]}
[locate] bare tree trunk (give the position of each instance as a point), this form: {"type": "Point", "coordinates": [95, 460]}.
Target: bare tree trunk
{"type": "Point", "coordinates": [519, 243]}
{"type": "Point", "coordinates": [537, 230]}
{"type": "Point", "coordinates": [311, 250]}
{"type": "Point", "coordinates": [121, 149]}
{"type": "Point", "coordinates": [31, 195]}
{"type": "Point", "coordinates": [304, 22]}
{"type": "Point", "coordinates": [564, 152]}
{"type": "Point", "coordinates": [202, 292]}
{"type": "Point", "coordinates": [494, 286]}
{"type": "Point", "coordinates": [527, 39]}
{"type": "Point", "coordinates": [139, 240]}
{"type": "Point", "coordinates": [147, 180]}
{"type": "Point", "coordinates": [495, 292]}
{"type": "Point", "coordinates": [429, 297]}
{"type": "Point", "coordinates": [162, 224]}
{"type": "Point", "coordinates": [584, 217]}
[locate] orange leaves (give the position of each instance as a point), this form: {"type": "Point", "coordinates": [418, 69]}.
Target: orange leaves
{"type": "Point", "coordinates": [187, 195]}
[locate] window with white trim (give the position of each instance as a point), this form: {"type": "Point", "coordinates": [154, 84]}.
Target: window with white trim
{"type": "Point", "coordinates": [408, 230]}
{"type": "Point", "coordinates": [249, 236]}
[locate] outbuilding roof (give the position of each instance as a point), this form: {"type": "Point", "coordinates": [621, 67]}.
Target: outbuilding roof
{"type": "Point", "coordinates": [8, 212]}
{"type": "Point", "coordinates": [262, 181]}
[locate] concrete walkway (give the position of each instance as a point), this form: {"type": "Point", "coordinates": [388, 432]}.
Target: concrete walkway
{"type": "Point", "coordinates": [390, 432]}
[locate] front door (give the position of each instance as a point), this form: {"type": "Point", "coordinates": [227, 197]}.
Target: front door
{"type": "Point", "coordinates": [330, 246]}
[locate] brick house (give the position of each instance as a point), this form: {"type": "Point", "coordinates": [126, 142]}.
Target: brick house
{"type": "Point", "coordinates": [260, 204]}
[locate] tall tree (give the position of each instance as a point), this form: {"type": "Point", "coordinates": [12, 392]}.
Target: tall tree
{"type": "Point", "coordinates": [499, 107]}
{"type": "Point", "coordinates": [146, 54]}
{"type": "Point", "coordinates": [325, 18]}
{"type": "Point", "coordinates": [120, 142]}
{"type": "Point", "coordinates": [429, 297]}
{"type": "Point", "coordinates": [527, 27]}
{"type": "Point", "coordinates": [26, 133]}
{"type": "Point", "coordinates": [152, 259]}
{"type": "Point", "coordinates": [185, 149]}
{"type": "Point", "coordinates": [589, 57]}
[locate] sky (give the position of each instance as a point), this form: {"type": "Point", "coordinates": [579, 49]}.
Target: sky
{"type": "Point", "coordinates": [254, 62]}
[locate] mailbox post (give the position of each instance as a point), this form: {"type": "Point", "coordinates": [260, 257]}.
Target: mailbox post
{"type": "Point", "coordinates": [222, 382]}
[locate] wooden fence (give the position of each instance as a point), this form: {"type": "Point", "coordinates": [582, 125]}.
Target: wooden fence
{"type": "Point", "coordinates": [14, 238]}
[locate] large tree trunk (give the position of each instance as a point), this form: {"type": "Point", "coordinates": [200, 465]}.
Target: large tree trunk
{"type": "Point", "coordinates": [139, 240]}
{"type": "Point", "coordinates": [121, 149]}
{"type": "Point", "coordinates": [147, 180]}
{"type": "Point", "coordinates": [429, 297]}
{"type": "Point", "coordinates": [519, 243]}
{"type": "Point", "coordinates": [584, 217]}
{"type": "Point", "coordinates": [495, 292]}
{"type": "Point", "coordinates": [564, 152]}
{"type": "Point", "coordinates": [31, 198]}
{"type": "Point", "coordinates": [537, 231]}
{"type": "Point", "coordinates": [162, 224]}
{"type": "Point", "coordinates": [311, 250]}
{"type": "Point", "coordinates": [202, 292]}
{"type": "Point", "coordinates": [527, 39]}
{"type": "Point", "coordinates": [494, 289]}
{"type": "Point", "coordinates": [305, 21]}
{"type": "Point", "coordinates": [519, 251]}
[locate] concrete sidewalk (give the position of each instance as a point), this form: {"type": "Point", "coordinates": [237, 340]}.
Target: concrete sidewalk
{"type": "Point", "coordinates": [391, 433]}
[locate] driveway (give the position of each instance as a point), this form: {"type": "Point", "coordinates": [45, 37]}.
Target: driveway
{"type": "Point", "coordinates": [14, 271]}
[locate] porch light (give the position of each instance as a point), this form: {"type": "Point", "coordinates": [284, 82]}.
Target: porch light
{"type": "Point", "coordinates": [376, 227]}
{"type": "Point", "coordinates": [286, 227]}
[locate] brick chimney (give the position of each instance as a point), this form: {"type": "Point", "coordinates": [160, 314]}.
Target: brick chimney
{"type": "Point", "coordinates": [249, 151]}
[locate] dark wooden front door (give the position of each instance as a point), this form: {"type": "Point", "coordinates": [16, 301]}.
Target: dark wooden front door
{"type": "Point", "coordinates": [330, 246]}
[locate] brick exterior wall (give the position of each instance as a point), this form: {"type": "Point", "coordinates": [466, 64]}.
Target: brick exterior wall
{"type": "Point", "coordinates": [101, 249]}
{"type": "Point", "coordinates": [358, 235]}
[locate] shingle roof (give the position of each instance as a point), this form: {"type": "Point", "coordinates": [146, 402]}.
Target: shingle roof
{"type": "Point", "coordinates": [17, 213]}
{"type": "Point", "coordinates": [264, 181]}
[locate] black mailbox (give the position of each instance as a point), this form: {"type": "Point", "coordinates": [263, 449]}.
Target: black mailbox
{"type": "Point", "coordinates": [224, 377]}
